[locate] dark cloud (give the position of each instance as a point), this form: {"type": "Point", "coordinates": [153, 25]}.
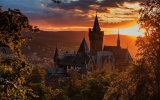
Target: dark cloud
{"type": "Point", "coordinates": [83, 5]}
{"type": "Point", "coordinates": [70, 19]}
{"type": "Point", "coordinates": [66, 13]}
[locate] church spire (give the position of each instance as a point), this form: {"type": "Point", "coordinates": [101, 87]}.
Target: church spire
{"type": "Point", "coordinates": [96, 26]}
{"type": "Point", "coordinates": [56, 55]}
{"type": "Point", "coordinates": [118, 40]}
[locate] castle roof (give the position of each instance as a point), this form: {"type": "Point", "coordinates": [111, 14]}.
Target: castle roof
{"type": "Point", "coordinates": [83, 48]}
{"type": "Point", "coordinates": [77, 61]}
{"type": "Point", "coordinates": [56, 55]}
{"type": "Point", "coordinates": [96, 26]}
{"type": "Point", "coordinates": [57, 72]}
{"type": "Point", "coordinates": [119, 53]}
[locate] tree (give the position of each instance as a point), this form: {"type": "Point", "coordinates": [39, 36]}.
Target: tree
{"type": "Point", "coordinates": [36, 82]}
{"type": "Point", "coordinates": [149, 45]}
{"type": "Point", "coordinates": [137, 83]}
{"type": "Point", "coordinates": [91, 87]}
{"type": "Point", "coordinates": [36, 76]}
{"type": "Point", "coordinates": [13, 70]}
{"type": "Point", "coordinates": [142, 81]}
{"type": "Point", "coordinates": [13, 23]}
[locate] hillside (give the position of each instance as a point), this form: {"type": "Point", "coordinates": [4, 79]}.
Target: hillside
{"type": "Point", "coordinates": [44, 43]}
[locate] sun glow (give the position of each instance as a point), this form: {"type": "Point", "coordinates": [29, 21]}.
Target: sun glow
{"type": "Point", "coordinates": [135, 6]}
{"type": "Point", "coordinates": [134, 31]}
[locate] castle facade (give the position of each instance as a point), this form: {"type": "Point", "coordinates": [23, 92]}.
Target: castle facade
{"type": "Point", "coordinates": [85, 60]}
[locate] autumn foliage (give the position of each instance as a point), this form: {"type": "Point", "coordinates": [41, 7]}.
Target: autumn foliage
{"type": "Point", "coordinates": [141, 81]}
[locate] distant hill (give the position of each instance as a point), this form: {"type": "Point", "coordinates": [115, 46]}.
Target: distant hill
{"type": "Point", "coordinates": [44, 43]}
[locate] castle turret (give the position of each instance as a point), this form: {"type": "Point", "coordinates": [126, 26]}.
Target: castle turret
{"type": "Point", "coordinates": [95, 37]}
{"type": "Point", "coordinates": [96, 26]}
{"type": "Point", "coordinates": [83, 49]}
{"type": "Point", "coordinates": [118, 40]}
{"type": "Point", "coordinates": [56, 57]}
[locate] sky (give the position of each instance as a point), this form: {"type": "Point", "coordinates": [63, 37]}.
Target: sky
{"type": "Point", "coordinates": [79, 15]}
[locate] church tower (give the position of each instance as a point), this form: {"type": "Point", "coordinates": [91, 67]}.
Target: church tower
{"type": "Point", "coordinates": [95, 37]}
{"type": "Point", "coordinates": [118, 41]}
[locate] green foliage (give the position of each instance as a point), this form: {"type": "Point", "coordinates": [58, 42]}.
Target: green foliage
{"type": "Point", "coordinates": [91, 87]}
{"type": "Point", "coordinates": [142, 81]}
{"type": "Point", "coordinates": [36, 76]}
{"type": "Point", "coordinates": [13, 23]}
{"type": "Point", "coordinates": [43, 92]}
{"type": "Point", "coordinates": [149, 45]}
{"type": "Point", "coordinates": [35, 81]}
{"type": "Point", "coordinates": [13, 70]}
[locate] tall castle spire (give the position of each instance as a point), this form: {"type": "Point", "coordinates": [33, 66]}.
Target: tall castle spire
{"type": "Point", "coordinates": [118, 40]}
{"type": "Point", "coordinates": [95, 37]}
{"type": "Point", "coordinates": [96, 26]}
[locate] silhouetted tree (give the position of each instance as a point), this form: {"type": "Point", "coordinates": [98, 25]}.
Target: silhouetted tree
{"type": "Point", "coordinates": [142, 81]}
{"type": "Point", "coordinates": [91, 87]}
{"type": "Point", "coordinates": [149, 45]}
{"type": "Point", "coordinates": [13, 70]}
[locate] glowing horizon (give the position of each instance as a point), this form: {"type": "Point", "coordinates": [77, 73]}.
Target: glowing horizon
{"type": "Point", "coordinates": [131, 30]}
{"type": "Point", "coordinates": [125, 20]}
{"type": "Point", "coordinates": [77, 16]}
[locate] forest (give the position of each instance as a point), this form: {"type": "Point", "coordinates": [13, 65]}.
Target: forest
{"type": "Point", "coordinates": [19, 80]}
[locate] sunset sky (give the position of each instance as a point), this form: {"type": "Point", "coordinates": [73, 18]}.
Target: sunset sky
{"type": "Point", "coordinates": [79, 15]}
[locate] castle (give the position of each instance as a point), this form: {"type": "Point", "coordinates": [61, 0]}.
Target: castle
{"type": "Point", "coordinates": [84, 61]}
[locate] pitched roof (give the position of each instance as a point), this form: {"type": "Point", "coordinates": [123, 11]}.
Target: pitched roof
{"type": "Point", "coordinates": [57, 72]}
{"type": "Point", "coordinates": [96, 26]}
{"type": "Point", "coordinates": [56, 55]}
{"type": "Point", "coordinates": [83, 48]}
{"type": "Point", "coordinates": [77, 61]}
{"type": "Point", "coordinates": [119, 53]}
{"type": "Point", "coordinates": [109, 48]}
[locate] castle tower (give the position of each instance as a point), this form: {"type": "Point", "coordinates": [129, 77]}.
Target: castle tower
{"type": "Point", "coordinates": [95, 37]}
{"type": "Point", "coordinates": [118, 40]}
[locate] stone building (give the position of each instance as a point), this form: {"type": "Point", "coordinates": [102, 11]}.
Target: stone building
{"type": "Point", "coordinates": [85, 61]}
{"type": "Point", "coordinates": [117, 57]}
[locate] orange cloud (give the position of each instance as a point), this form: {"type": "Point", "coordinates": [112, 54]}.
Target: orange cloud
{"type": "Point", "coordinates": [111, 18]}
